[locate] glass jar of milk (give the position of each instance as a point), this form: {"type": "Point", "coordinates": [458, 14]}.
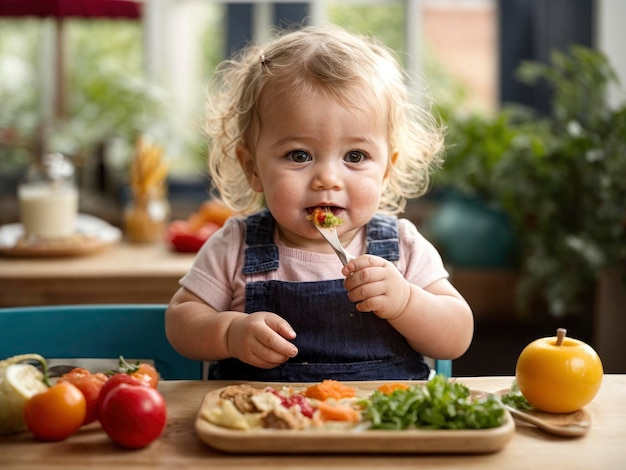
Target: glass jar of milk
{"type": "Point", "coordinates": [49, 199]}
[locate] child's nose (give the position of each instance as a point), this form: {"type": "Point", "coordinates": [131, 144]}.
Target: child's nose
{"type": "Point", "coordinates": [327, 176]}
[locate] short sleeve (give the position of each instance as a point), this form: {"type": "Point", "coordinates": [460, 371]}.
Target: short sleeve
{"type": "Point", "coordinates": [420, 262]}
{"type": "Point", "coordinates": [214, 274]}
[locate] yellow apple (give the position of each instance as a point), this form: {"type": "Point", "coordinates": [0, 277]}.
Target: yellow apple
{"type": "Point", "coordinates": [559, 374]}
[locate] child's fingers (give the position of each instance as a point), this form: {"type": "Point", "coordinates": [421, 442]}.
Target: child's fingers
{"type": "Point", "coordinates": [267, 359]}
{"type": "Point", "coordinates": [280, 343]}
{"type": "Point", "coordinates": [363, 262]}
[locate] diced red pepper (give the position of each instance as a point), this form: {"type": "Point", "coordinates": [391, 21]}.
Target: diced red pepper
{"type": "Point", "coordinates": [306, 408]}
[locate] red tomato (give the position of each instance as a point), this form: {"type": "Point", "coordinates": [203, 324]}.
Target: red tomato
{"type": "Point", "coordinates": [90, 385]}
{"type": "Point", "coordinates": [320, 216]}
{"type": "Point", "coordinates": [114, 381]}
{"type": "Point", "coordinates": [133, 416]}
{"type": "Point", "coordinates": [57, 413]}
{"type": "Point", "coordinates": [186, 239]}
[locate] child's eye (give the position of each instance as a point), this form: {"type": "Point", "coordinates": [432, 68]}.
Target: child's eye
{"type": "Point", "coordinates": [299, 156]}
{"type": "Point", "coordinates": [355, 157]}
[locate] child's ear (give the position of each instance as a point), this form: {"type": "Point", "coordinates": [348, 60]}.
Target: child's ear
{"type": "Point", "coordinates": [246, 160]}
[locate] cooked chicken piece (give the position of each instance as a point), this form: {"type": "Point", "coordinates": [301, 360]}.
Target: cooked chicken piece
{"type": "Point", "coordinates": [241, 396]}
{"type": "Point", "coordinates": [284, 418]}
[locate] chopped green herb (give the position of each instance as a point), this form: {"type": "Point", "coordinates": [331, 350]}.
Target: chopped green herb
{"type": "Point", "coordinates": [331, 220]}
{"type": "Point", "coordinates": [516, 399]}
{"type": "Point", "coordinates": [439, 404]}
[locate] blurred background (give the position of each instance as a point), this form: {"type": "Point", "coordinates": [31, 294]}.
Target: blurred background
{"type": "Point", "coordinates": [528, 211]}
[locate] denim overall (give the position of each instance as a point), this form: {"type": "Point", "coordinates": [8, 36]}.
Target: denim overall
{"type": "Point", "coordinates": [334, 340]}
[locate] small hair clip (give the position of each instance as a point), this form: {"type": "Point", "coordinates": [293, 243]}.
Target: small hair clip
{"type": "Point", "coordinates": [263, 59]}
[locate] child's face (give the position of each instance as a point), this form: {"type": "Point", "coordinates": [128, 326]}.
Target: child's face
{"type": "Point", "coordinates": [312, 151]}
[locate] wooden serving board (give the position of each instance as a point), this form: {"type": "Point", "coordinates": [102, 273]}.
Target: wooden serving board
{"type": "Point", "coordinates": [77, 247]}
{"type": "Point", "coordinates": [351, 441]}
{"type": "Point", "coordinates": [92, 235]}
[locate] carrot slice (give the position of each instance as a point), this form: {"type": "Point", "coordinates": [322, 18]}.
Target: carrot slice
{"type": "Point", "coordinates": [330, 412]}
{"type": "Point", "coordinates": [329, 389]}
{"type": "Point", "coordinates": [389, 388]}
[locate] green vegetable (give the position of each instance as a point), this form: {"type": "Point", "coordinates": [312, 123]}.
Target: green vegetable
{"type": "Point", "coordinates": [515, 398]}
{"type": "Point", "coordinates": [439, 404]}
{"type": "Point", "coordinates": [331, 220]}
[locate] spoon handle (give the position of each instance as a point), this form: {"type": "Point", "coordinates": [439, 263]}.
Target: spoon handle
{"type": "Point", "coordinates": [570, 429]}
{"type": "Point", "coordinates": [330, 234]}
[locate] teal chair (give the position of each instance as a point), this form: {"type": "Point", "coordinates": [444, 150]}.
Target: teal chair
{"type": "Point", "coordinates": [104, 332]}
{"type": "Point", "coordinates": [95, 332]}
{"type": "Point", "coordinates": [443, 367]}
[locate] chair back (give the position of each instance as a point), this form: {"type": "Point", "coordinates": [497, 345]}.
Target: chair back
{"type": "Point", "coordinates": [95, 332]}
{"type": "Point", "coordinates": [443, 367]}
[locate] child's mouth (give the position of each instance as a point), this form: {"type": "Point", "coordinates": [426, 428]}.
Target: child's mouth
{"type": "Point", "coordinates": [324, 216]}
{"type": "Point", "coordinates": [332, 209]}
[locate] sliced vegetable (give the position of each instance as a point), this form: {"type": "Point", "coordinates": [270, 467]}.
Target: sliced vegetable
{"type": "Point", "coordinates": [329, 389]}
{"type": "Point", "coordinates": [390, 387]}
{"type": "Point", "coordinates": [306, 408]}
{"type": "Point", "coordinates": [337, 412]}
{"type": "Point", "coordinates": [18, 383]}
{"type": "Point", "coordinates": [439, 404]}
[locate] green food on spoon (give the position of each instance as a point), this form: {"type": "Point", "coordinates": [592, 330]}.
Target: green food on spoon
{"type": "Point", "coordinates": [324, 218]}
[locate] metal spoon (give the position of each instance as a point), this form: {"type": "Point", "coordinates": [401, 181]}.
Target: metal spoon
{"type": "Point", "coordinates": [571, 424]}
{"type": "Point", "coordinates": [330, 234]}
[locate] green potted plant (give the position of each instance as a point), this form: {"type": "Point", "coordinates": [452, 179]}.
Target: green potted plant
{"type": "Point", "coordinates": [470, 227]}
{"type": "Point", "coordinates": [561, 181]}
{"type": "Point", "coordinates": [563, 184]}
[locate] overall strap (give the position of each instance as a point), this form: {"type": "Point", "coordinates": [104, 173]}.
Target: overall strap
{"type": "Point", "coordinates": [262, 253]}
{"type": "Point", "coordinates": [382, 237]}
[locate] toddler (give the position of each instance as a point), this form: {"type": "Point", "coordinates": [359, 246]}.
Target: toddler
{"type": "Point", "coordinates": [319, 117]}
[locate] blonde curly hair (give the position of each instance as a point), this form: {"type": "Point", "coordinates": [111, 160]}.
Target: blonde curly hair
{"type": "Point", "coordinates": [357, 70]}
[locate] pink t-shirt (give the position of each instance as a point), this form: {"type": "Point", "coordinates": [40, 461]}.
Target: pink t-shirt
{"type": "Point", "coordinates": [216, 275]}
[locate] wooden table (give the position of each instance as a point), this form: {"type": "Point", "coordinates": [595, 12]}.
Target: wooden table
{"type": "Point", "coordinates": [602, 448]}
{"type": "Point", "coordinates": [121, 273]}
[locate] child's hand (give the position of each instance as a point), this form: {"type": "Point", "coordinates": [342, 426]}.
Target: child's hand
{"type": "Point", "coordinates": [376, 285]}
{"type": "Point", "coordinates": [261, 339]}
